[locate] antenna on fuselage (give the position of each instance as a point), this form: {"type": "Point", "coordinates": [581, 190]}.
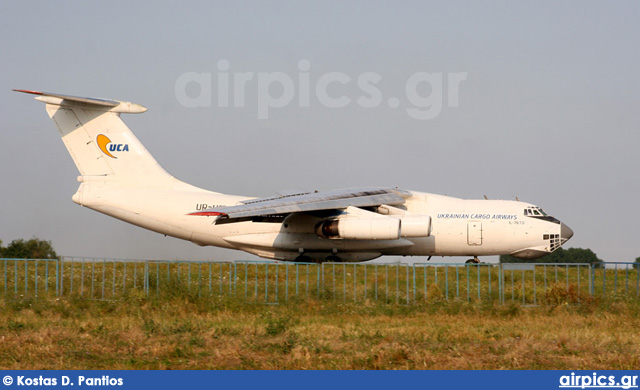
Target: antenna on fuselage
{"type": "Point", "coordinates": [518, 199]}
{"type": "Point", "coordinates": [485, 197]}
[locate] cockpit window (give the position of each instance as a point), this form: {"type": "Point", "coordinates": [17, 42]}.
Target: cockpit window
{"type": "Point", "coordinates": [538, 213]}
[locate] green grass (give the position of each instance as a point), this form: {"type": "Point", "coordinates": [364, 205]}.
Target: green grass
{"type": "Point", "coordinates": [190, 332]}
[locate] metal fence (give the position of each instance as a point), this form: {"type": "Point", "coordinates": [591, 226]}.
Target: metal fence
{"type": "Point", "coordinates": [275, 282]}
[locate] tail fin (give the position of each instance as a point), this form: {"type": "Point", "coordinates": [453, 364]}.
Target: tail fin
{"type": "Point", "coordinates": [100, 143]}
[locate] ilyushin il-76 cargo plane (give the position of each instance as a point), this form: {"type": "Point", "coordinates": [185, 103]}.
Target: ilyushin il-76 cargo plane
{"type": "Point", "coordinates": [120, 178]}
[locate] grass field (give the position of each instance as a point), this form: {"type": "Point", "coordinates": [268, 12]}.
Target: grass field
{"type": "Point", "coordinates": [185, 331]}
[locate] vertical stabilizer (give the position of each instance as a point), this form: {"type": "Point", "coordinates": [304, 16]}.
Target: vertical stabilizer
{"type": "Point", "coordinates": [100, 143]}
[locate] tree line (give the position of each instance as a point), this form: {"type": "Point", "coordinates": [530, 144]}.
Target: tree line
{"type": "Point", "coordinates": [34, 248]}
{"type": "Point", "coordinates": [561, 255]}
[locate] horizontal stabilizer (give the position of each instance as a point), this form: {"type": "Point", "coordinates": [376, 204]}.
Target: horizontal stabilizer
{"type": "Point", "coordinates": [87, 102]}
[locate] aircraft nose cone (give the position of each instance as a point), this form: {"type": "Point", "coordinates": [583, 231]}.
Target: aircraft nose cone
{"type": "Point", "coordinates": [565, 231]}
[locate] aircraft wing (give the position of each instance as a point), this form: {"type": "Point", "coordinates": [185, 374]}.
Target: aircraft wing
{"type": "Point", "coordinates": [315, 201]}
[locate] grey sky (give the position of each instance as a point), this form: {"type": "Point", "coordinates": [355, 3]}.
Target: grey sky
{"type": "Point", "coordinates": [549, 111]}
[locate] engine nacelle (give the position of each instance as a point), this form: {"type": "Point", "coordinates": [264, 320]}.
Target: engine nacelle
{"type": "Point", "coordinates": [361, 229]}
{"type": "Point", "coordinates": [415, 225]}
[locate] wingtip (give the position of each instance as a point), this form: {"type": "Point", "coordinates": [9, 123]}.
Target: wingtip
{"type": "Point", "coordinates": [28, 91]}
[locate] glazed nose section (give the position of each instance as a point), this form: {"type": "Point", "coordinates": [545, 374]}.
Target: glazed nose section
{"type": "Point", "coordinates": [565, 232]}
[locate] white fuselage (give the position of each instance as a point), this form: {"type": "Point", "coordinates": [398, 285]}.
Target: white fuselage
{"type": "Point", "coordinates": [459, 227]}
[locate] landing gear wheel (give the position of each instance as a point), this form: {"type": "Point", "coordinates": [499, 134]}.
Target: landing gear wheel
{"type": "Point", "coordinates": [304, 259]}
{"type": "Point", "coordinates": [333, 259]}
{"type": "Point", "coordinates": [475, 260]}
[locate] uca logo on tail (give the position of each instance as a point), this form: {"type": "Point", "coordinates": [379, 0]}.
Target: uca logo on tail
{"type": "Point", "coordinates": [104, 142]}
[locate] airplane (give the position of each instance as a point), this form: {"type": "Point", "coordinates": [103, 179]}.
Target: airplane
{"type": "Point", "coordinates": [120, 178]}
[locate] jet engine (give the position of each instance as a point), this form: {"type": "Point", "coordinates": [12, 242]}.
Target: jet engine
{"type": "Point", "coordinates": [415, 225]}
{"type": "Point", "coordinates": [379, 228]}
{"type": "Point", "coordinates": [360, 229]}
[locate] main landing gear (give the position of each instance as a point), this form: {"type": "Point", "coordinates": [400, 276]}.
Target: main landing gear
{"type": "Point", "coordinates": [304, 259]}
{"type": "Point", "coordinates": [475, 260]}
{"type": "Point", "coordinates": [332, 258]}
{"type": "Point", "coordinates": [307, 259]}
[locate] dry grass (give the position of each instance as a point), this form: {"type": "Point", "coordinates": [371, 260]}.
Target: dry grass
{"type": "Point", "coordinates": [188, 332]}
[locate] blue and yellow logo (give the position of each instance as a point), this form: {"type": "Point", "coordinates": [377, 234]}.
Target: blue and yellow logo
{"type": "Point", "coordinates": [105, 144]}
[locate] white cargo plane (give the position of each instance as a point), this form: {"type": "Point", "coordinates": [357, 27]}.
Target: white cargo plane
{"type": "Point", "coordinates": [120, 178]}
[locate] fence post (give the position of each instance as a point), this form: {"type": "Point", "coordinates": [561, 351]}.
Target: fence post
{"type": "Point", "coordinates": [457, 282]}
{"type": "Point", "coordinates": [71, 278]}
{"type": "Point", "coordinates": [113, 287]}
{"type": "Point", "coordinates": [637, 278]}
{"type": "Point", "coordinates": [535, 301]}
{"type": "Point", "coordinates": [500, 284]}
{"type": "Point", "coordinates": [414, 283]}
{"type": "Point", "coordinates": [57, 275]}
{"type": "Point", "coordinates": [61, 276]}
{"type": "Point", "coordinates": [478, 268]}
{"type": "Point", "coordinates": [375, 287]}
{"type": "Point", "coordinates": [425, 282]}
{"type": "Point", "coordinates": [277, 272]}
{"type": "Point", "coordinates": [591, 278]}
{"type": "Point", "coordinates": [320, 268]}
{"type": "Point", "coordinates": [266, 282]}
{"type": "Point", "coordinates": [26, 276]}
{"type": "Point", "coordinates": [124, 278]}
{"type": "Point", "coordinates": [489, 272]}
{"type": "Point", "coordinates": [93, 275]}
{"type": "Point", "coordinates": [604, 280]}
{"type": "Point", "coordinates": [82, 279]}
{"type": "Point", "coordinates": [46, 277]}
{"type": "Point", "coordinates": [446, 281]}
{"type": "Point", "coordinates": [355, 273]}
{"type": "Point", "coordinates": [146, 277]}
{"type": "Point", "coordinates": [397, 283]}
{"type": "Point", "coordinates": [626, 279]}
{"type": "Point", "coordinates": [468, 270]}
